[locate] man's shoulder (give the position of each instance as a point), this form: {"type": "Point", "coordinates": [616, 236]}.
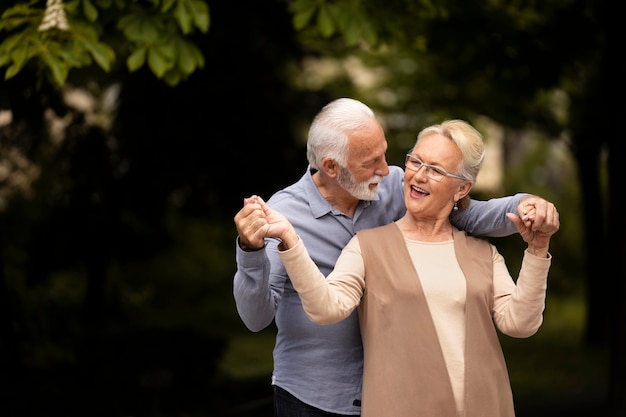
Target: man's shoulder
{"type": "Point", "coordinates": [392, 185]}
{"type": "Point", "coordinates": [291, 196]}
{"type": "Point", "coordinates": [395, 178]}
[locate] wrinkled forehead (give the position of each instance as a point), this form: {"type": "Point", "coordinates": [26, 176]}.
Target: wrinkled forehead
{"type": "Point", "coordinates": [367, 142]}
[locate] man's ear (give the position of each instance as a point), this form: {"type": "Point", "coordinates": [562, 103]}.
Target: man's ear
{"type": "Point", "coordinates": [330, 167]}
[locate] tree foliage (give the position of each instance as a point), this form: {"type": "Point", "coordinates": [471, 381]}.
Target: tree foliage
{"type": "Point", "coordinates": [110, 196]}
{"type": "Point", "coordinates": [80, 33]}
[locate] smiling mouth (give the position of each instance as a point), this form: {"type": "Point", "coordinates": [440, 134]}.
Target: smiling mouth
{"type": "Point", "coordinates": [419, 191]}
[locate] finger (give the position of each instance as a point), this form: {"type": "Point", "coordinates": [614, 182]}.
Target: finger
{"type": "Point", "coordinates": [529, 215]}
{"type": "Point", "coordinates": [552, 224]}
{"type": "Point", "coordinates": [545, 220]}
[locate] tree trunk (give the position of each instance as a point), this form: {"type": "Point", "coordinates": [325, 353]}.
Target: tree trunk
{"type": "Point", "coordinates": [588, 154]}
{"type": "Point", "coordinates": [613, 85]}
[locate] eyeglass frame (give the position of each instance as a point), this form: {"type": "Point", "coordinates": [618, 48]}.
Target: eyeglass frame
{"type": "Point", "coordinates": [429, 167]}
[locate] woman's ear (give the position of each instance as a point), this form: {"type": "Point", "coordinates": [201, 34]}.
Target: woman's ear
{"type": "Point", "coordinates": [463, 191]}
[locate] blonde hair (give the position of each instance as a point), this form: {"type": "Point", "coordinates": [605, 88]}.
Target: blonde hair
{"type": "Point", "coordinates": [467, 138]}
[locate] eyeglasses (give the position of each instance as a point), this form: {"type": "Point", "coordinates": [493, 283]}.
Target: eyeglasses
{"type": "Point", "coordinates": [434, 172]}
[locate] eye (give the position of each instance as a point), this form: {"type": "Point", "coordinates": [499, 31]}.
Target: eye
{"type": "Point", "coordinates": [438, 171]}
{"type": "Point", "coordinates": [416, 162]}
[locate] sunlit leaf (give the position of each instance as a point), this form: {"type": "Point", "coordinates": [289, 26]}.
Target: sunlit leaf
{"type": "Point", "coordinates": [159, 60]}
{"type": "Point", "coordinates": [197, 54]}
{"type": "Point", "coordinates": [186, 62]}
{"type": "Point", "coordinates": [183, 17]}
{"type": "Point", "coordinates": [200, 13]}
{"type": "Point", "coordinates": [172, 78]}
{"type": "Point", "coordinates": [136, 59]}
{"type": "Point", "coordinates": [12, 71]}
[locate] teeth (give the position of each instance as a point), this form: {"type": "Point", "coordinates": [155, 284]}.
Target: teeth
{"type": "Point", "coordinates": [418, 189]}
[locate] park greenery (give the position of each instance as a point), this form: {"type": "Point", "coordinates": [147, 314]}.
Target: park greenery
{"type": "Point", "coordinates": [131, 131]}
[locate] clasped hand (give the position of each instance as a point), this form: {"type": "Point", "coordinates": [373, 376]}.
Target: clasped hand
{"type": "Point", "coordinates": [537, 220]}
{"type": "Point", "coordinates": [257, 221]}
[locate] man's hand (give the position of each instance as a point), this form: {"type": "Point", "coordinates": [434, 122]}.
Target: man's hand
{"type": "Point", "coordinates": [538, 214]}
{"type": "Point", "coordinates": [537, 221]}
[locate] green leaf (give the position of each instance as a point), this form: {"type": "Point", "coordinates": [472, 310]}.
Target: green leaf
{"type": "Point", "coordinates": [140, 27]}
{"type": "Point", "coordinates": [197, 54]}
{"type": "Point", "coordinates": [136, 59]}
{"type": "Point", "coordinates": [4, 59]}
{"type": "Point", "coordinates": [352, 33]}
{"type": "Point", "coordinates": [183, 17]}
{"type": "Point", "coordinates": [102, 53]}
{"type": "Point", "coordinates": [325, 22]}
{"type": "Point", "coordinates": [90, 11]}
{"type": "Point", "coordinates": [21, 14]}
{"type": "Point", "coordinates": [172, 78]}
{"type": "Point", "coordinates": [301, 19]}
{"type": "Point", "coordinates": [12, 71]}
{"type": "Point", "coordinates": [58, 67]}
{"type": "Point", "coordinates": [369, 33]}
{"type": "Point", "coordinates": [200, 12]}
{"type": "Point", "coordinates": [186, 57]}
{"type": "Point", "coordinates": [75, 56]}
{"type": "Point", "coordinates": [168, 50]}
{"type": "Point", "coordinates": [86, 38]}
{"type": "Point", "coordinates": [342, 13]}
{"type": "Point", "coordinates": [167, 4]}
{"type": "Point", "coordinates": [160, 59]}
{"type": "Point", "coordinates": [10, 43]}
{"type": "Point", "coordinates": [19, 56]}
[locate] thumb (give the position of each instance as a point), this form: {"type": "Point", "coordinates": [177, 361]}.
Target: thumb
{"type": "Point", "coordinates": [263, 204]}
{"type": "Point", "coordinates": [517, 221]}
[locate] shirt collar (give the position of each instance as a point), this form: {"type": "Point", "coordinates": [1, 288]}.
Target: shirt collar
{"type": "Point", "coordinates": [319, 205]}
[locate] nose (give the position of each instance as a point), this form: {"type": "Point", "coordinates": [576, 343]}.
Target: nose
{"type": "Point", "coordinates": [383, 168]}
{"type": "Point", "coordinates": [421, 173]}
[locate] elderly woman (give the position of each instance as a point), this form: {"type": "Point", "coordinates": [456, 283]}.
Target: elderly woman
{"type": "Point", "coordinates": [429, 296]}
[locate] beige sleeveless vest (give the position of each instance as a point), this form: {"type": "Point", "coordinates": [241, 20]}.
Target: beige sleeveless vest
{"type": "Point", "coordinates": [404, 371]}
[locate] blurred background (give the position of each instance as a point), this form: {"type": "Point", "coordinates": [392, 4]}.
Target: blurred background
{"type": "Point", "coordinates": [131, 131]}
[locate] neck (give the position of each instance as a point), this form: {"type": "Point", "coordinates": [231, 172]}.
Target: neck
{"type": "Point", "coordinates": [426, 229]}
{"type": "Point", "coordinates": [335, 194]}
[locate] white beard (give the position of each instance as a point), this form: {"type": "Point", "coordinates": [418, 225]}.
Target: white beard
{"type": "Point", "coordinates": [360, 190]}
